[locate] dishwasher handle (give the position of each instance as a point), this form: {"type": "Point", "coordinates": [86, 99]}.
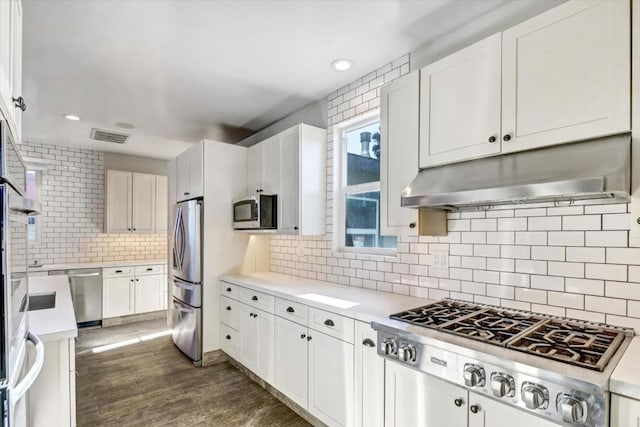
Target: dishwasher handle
{"type": "Point", "coordinates": [84, 275]}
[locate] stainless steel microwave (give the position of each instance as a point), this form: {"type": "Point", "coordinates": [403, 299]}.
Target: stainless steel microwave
{"type": "Point", "coordinates": [259, 212]}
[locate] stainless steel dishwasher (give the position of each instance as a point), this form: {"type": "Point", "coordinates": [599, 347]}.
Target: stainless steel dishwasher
{"type": "Point", "coordinates": [86, 293]}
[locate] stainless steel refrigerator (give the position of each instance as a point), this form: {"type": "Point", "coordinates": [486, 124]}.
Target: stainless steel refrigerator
{"type": "Point", "coordinates": [186, 286]}
{"type": "Point", "coordinates": [15, 210]}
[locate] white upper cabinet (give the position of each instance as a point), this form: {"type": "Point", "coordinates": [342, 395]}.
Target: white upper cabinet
{"type": "Point", "coordinates": [118, 203]}
{"type": "Point", "coordinates": [143, 214]}
{"type": "Point", "coordinates": [292, 165]}
{"type": "Point", "coordinates": [460, 105]}
{"type": "Point", "coordinates": [134, 203]}
{"type": "Point", "coordinates": [399, 121]}
{"type": "Point", "coordinates": [11, 65]}
{"type": "Point", "coordinates": [161, 202]}
{"type": "Point", "coordinates": [190, 173]}
{"type": "Point", "coordinates": [566, 75]}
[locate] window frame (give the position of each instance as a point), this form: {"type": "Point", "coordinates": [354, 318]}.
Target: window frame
{"type": "Point", "coordinates": [341, 190]}
{"type": "Point", "coordinates": [39, 166]}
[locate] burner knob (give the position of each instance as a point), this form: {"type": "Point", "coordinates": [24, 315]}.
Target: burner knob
{"type": "Point", "coordinates": [571, 409]}
{"type": "Point", "coordinates": [534, 396]}
{"type": "Point", "coordinates": [389, 346]}
{"type": "Point", "coordinates": [501, 385]}
{"type": "Point", "coordinates": [407, 353]}
{"type": "Point", "coordinates": [473, 375]}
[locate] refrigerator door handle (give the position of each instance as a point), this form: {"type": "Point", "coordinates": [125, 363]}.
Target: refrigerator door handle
{"type": "Point", "coordinates": [176, 240]}
{"type": "Point", "coordinates": [23, 386]}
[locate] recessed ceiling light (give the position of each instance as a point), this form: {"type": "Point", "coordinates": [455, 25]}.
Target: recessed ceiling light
{"type": "Point", "coordinates": [341, 64]}
{"type": "Point", "coordinates": [125, 125]}
{"type": "Point", "coordinates": [71, 117]}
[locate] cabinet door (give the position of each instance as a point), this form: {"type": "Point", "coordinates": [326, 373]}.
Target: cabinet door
{"type": "Point", "coordinates": [248, 337]}
{"type": "Point", "coordinates": [495, 414]}
{"type": "Point", "coordinates": [460, 105]}
{"type": "Point", "coordinates": [162, 207]}
{"type": "Point", "coordinates": [414, 398]}
{"type": "Point", "coordinates": [118, 297]}
{"type": "Point", "coordinates": [196, 171]}
{"type": "Point", "coordinates": [289, 194]}
{"type": "Point", "coordinates": [369, 378]}
{"type": "Point", "coordinates": [149, 293]}
{"type": "Point", "coordinates": [624, 411]}
{"type": "Point", "coordinates": [16, 63]}
{"type": "Point", "coordinates": [564, 81]}
{"type": "Point", "coordinates": [291, 363]}
{"type": "Point", "coordinates": [254, 168]}
{"type": "Point", "coordinates": [183, 176]}
{"type": "Point", "coordinates": [331, 377]}
{"type": "Point", "coordinates": [266, 335]}
{"type": "Point", "coordinates": [143, 203]}
{"type": "Point", "coordinates": [118, 202]}
{"type": "Point", "coordinates": [399, 127]}
{"type": "Point", "coordinates": [5, 56]}
{"type": "Point", "coordinates": [271, 165]}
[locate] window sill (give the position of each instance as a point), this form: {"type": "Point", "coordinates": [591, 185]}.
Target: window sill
{"type": "Point", "coordinates": [391, 253]}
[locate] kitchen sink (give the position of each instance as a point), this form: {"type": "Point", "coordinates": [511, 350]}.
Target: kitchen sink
{"type": "Point", "coordinates": [42, 301]}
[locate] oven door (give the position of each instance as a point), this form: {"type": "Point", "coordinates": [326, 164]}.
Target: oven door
{"type": "Point", "coordinates": [246, 214]}
{"type": "Point", "coordinates": [13, 229]}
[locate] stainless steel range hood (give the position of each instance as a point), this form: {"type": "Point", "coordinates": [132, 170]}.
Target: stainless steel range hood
{"type": "Point", "coordinates": [594, 169]}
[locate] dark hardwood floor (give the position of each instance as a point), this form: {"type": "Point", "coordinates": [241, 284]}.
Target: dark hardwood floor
{"type": "Point", "coordinates": [150, 383]}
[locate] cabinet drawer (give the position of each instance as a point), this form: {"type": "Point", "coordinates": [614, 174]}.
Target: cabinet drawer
{"type": "Point", "coordinates": [229, 340]}
{"type": "Point", "coordinates": [257, 299]}
{"type": "Point", "coordinates": [293, 311]}
{"type": "Point", "coordinates": [142, 270]}
{"type": "Point", "coordinates": [331, 324]}
{"type": "Point", "coordinates": [117, 271]}
{"type": "Point", "coordinates": [230, 291]}
{"type": "Point", "coordinates": [230, 312]}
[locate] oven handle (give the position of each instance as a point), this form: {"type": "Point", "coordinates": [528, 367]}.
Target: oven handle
{"type": "Point", "coordinates": [28, 380]}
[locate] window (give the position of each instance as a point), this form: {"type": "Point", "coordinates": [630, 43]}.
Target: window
{"type": "Point", "coordinates": [359, 188]}
{"type": "Point", "coordinates": [34, 191]}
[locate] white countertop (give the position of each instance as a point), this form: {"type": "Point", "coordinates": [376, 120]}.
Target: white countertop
{"type": "Point", "coordinates": [105, 264]}
{"type": "Point", "coordinates": [625, 379]}
{"type": "Point", "coordinates": [56, 323]}
{"type": "Point", "coordinates": [370, 304]}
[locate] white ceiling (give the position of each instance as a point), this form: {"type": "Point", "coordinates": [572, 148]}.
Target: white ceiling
{"type": "Point", "coordinates": [178, 70]}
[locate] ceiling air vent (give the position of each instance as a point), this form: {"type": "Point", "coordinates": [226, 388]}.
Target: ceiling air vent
{"type": "Point", "coordinates": [108, 136]}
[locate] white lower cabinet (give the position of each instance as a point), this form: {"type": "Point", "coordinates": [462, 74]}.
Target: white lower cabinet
{"type": "Point", "coordinates": [414, 398]}
{"type": "Point", "coordinates": [149, 293]}
{"type": "Point", "coordinates": [330, 379]}
{"type": "Point", "coordinates": [52, 397]}
{"type": "Point", "coordinates": [118, 295]}
{"type": "Point", "coordinates": [291, 361]}
{"type": "Point", "coordinates": [491, 413]}
{"type": "Point", "coordinates": [625, 412]}
{"type": "Point", "coordinates": [369, 378]}
{"type": "Point", "coordinates": [256, 341]}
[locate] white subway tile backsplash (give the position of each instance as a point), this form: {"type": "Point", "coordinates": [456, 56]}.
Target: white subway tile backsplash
{"type": "Point", "coordinates": [606, 272]}
{"type": "Point", "coordinates": [577, 257]}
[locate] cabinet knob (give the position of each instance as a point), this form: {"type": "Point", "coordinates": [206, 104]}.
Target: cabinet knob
{"type": "Point", "coordinates": [309, 338]}
{"type": "Point", "coordinates": [228, 308]}
{"type": "Point", "coordinates": [137, 280]}
{"type": "Point", "coordinates": [19, 103]}
{"type": "Point", "coordinates": [228, 337]}
{"type": "Point", "coordinates": [506, 138]}
{"type": "Point", "coordinates": [134, 229]}
{"type": "Point", "coordinates": [458, 402]}
{"type": "Point", "coordinates": [228, 289]}
{"type": "Point", "coordinates": [412, 225]}
{"type": "Point", "coordinates": [129, 229]}
{"type": "Point", "coordinates": [303, 336]}
{"type": "Point", "coordinates": [474, 409]}
{"type": "Point", "coordinates": [492, 139]}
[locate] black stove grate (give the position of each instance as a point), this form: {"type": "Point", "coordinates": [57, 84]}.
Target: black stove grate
{"type": "Point", "coordinates": [435, 315]}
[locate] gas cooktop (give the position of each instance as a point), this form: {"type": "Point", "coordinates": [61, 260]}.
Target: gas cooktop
{"type": "Point", "coordinates": [554, 367]}
{"type": "Point", "coordinates": [580, 343]}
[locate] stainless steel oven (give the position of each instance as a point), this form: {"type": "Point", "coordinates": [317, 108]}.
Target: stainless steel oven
{"type": "Point", "coordinates": [259, 212]}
